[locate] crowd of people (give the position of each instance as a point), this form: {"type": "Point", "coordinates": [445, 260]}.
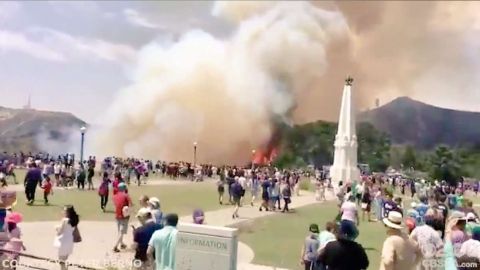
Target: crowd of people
{"type": "Point", "coordinates": [275, 186]}
{"type": "Point", "coordinates": [439, 229]}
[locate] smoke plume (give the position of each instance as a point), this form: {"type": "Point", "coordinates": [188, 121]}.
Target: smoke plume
{"type": "Point", "coordinates": [427, 50]}
{"type": "Point", "coordinates": [286, 62]}
{"type": "Point", "coordinates": [226, 95]}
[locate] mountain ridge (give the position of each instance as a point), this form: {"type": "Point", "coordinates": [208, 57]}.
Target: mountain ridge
{"type": "Point", "coordinates": [409, 121]}
{"type": "Point", "coordinates": [26, 129]}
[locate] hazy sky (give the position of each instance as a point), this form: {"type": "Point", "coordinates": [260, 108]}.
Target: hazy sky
{"type": "Point", "coordinates": [74, 56]}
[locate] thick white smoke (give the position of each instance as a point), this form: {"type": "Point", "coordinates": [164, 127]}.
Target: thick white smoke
{"type": "Point", "coordinates": [224, 94]}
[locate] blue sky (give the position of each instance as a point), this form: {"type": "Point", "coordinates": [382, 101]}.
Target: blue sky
{"type": "Point", "coordinates": [73, 56]}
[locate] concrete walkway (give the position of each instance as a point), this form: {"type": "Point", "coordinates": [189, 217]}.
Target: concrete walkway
{"type": "Point", "coordinates": [99, 237]}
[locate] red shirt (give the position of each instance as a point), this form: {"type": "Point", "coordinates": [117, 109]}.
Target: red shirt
{"type": "Point", "coordinates": [47, 187]}
{"type": "Point", "coordinates": [121, 199]}
{"type": "Point", "coordinates": [115, 186]}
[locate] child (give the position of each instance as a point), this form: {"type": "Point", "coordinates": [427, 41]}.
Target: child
{"type": "Point", "coordinates": [198, 217]}
{"type": "Point", "coordinates": [103, 191]}
{"type": "Point", "coordinates": [14, 244]}
{"type": "Point", "coordinates": [47, 188]}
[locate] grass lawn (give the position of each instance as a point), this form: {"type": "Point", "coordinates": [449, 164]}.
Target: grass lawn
{"type": "Point", "coordinates": [277, 240]}
{"type": "Point", "coordinates": [181, 199]}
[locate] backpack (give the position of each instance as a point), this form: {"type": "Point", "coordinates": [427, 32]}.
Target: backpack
{"type": "Point", "coordinates": [103, 190]}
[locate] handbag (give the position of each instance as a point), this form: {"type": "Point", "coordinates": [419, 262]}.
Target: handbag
{"type": "Point", "coordinates": [77, 238]}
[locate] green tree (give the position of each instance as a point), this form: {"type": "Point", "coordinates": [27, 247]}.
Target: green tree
{"type": "Point", "coordinates": [373, 147]}
{"type": "Point", "coordinates": [445, 165]}
{"type": "Point", "coordinates": [313, 144]}
{"type": "Point", "coordinates": [409, 158]}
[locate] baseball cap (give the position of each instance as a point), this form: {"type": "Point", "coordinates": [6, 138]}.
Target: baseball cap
{"type": "Point", "coordinates": [313, 228]}
{"type": "Point", "coordinates": [122, 186]}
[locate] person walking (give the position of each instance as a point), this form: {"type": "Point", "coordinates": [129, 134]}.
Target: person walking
{"type": "Point", "coordinates": [310, 247]}
{"type": "Point", "coordinates": [122, 203]}
{"type": "Point", "coordinates": [236, 195]}
{"type": "Point", "coordinates": [275, 194]}
{"type": "Point", "coordinates": [142, 235]}
{"type": "Point", "coordinates": [349, 217]}
{"type": "Point", "coordinates": [220, 190]}
{"type": "Point", "coordinates": [366, 204]}
{"type": "Point", "coordinates": [90, 174]}
{"type": "Point", "coordinates": [243, 183]}
{"type": "Point", "coordinates": [64, 239]}
{"type": "Point", "coordinates": [265, 195]}
{"type": "Point", "coordinates": [344, 253]}
{"type": "Point", "coordinates": [162, 245]}
{"type": "Point", "coordinates": [154, 206]}
{"type": "Point", "coordinates": [398, 252]}
{"type": "Point", "coordinates": [254, 186]}
{"type": "Point", "coordinates": [47, 188]}
{"type": "Point", "coordinates": [322, 188]}
{"type": "Point", "coordinates": [81, 176]}
{"type": "Point", "coordinates": [103, 191]}
{"type": "Point", "coordinates": [428, 239]}
{"type": "Point", "coordinates": [33, 178]}
{"type": "Point", "coordinates": [286, 194]}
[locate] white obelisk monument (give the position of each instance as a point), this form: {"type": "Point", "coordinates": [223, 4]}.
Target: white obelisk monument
{"type": "Point", "coordinates": [345, 160]}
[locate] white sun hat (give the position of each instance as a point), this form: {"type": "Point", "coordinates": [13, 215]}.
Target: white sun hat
{"type": "Point", "coordinates": [394, 220]}
{"type": "Point", "coordinates": [155, 202]}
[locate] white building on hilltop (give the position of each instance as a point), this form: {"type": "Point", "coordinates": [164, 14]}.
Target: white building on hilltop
{"type": "Point", "coordinates": [345, 160]}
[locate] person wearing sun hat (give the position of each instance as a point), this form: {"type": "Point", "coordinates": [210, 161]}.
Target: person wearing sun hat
{"type": "Point", "coordinates": [398, 252]}
{"type": "Point", "coordinates": [154, 206]}
{"type": "Point", "coordinates": [343, 252]}
{"type": "Point", "coordinates": [142, 235]}
{"type": "Point", "coordinates": [15, 243]}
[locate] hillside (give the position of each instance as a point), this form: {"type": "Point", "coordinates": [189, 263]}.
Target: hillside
{"type": "Point", "coordinates": [26, 129]}
{"type": "Point", "coordinates": [408, 121]}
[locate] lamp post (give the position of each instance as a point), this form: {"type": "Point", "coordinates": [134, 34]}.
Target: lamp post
{"type": "Point", "coordinates": [83, 129]}
{"type": "Point", "coordinates": [253, 159]}
{"type": "Point", "coordinates": [194, 154]}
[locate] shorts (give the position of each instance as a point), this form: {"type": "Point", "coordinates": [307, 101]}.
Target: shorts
{"type": "Point", "coordinates": [265, 196]}
{"type": "Point", "coordinates": [122, 225]}
{"type": "Point", "coordinates": [236, 201]}
{"type": "Point", "coordinates": [349, 229]}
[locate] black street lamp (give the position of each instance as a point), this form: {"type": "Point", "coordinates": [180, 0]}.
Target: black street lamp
{"type": "Point", "coordinates": [194, 155]}
{"type": "Point", "coordinates": [83, 129]}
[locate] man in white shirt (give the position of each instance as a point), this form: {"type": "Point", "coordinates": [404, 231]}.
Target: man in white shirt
{"type": "Point", "coordinates": [243, 182]}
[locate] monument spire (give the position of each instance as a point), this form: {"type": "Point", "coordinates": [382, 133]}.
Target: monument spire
{"type": "Point", "coordinates": [345, 159]}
